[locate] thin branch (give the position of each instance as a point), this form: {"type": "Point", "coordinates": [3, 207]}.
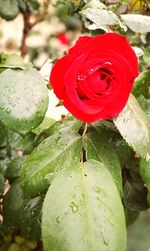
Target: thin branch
{"type": "Point", "coordinates": [85, 129]}
{"type": "Point", "coordinates": [23, 49]}
{"type": "Point", "coordinates": [28, 25]}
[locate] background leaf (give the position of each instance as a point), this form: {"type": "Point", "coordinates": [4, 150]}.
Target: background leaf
{"type": "Point", "coordinates": [146, 56]}
{"type": "Point", "coordinates": [22, 214]}
{"type": "Point", "coordinates": [100, 18]}
{"type": "Point", "coordinates": [145, 174]}
{"type": "Point", "coordinates": [84, 214]}
{"type": "Point", "coordinates": [136, 22]}
{"type": "Point", "coordinates": [2, 183]}
{"type": "Point", "coordinates": [9, 9]}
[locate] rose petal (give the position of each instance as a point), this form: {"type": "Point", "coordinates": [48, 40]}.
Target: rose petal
{"type": "Point", "coordinates": [57, 75]}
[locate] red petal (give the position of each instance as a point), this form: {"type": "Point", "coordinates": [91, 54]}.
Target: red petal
{"type": "Point", "coordinates": [80, 114]}
{"type": "Point", "coordinates": [57, 75]}
{"type": "Point", "coordinates": [114, 42]}
{"type": "Point", "coordinates": [80, 44]}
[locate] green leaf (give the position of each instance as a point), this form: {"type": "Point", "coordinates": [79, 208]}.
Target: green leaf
{"type": "Point", "coordinates": [134, 127]}
{"type": "Point", "coordinates": [141, 91]}
{"type": "Point", "coordinates": [146, 56]}
{"type": "Point", "coordinates": [17, 143]}
{"type": "Point", "coordinates": [2, 183]}
{"type": "Point", "coordinates": [53, 154]}
{"type": "Point", "coordinates": [98, 146]}
{"type": "Point", "coordinates": [13, 168]}
{"type": "Point", "coordinates": [83, 211]}
{"type": "Point", "coordinates": [22, 214]}
{"type": "Point", "coordinates": [145, 105]}
{"type": "Point", "coordinates": [23, 99]}
{"type": "Point", "coordinates": [3, 135]}
{"type": "Point", "coordinates": [142, 85]}
{"type": "Point", "coordinates": [71, 124]}
{"type": "Point", "coordinates": [14, 61]}
{"type": "Point", "coordinates": [34, 4]}
{"type": "Point", "coordinates": [12, 206]}
{"type": "Point", "coordinates": [9, 9]}
{"type": "Point", "coordinates": [136, 22]}
{"type": "Point", "coordinates": [46, 123]}
{"type": "Point", "coordinates": [3, 165]}
{"type": "Point", "coordinates": [145, 174]}
{"type": "Point", "coordinates": [134, 199]}
{"type": "Point", "coordinates": [31, 220]}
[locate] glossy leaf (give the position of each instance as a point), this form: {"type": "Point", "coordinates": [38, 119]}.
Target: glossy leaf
{"type": "Point", "coordinates": [134, 127]}
{"type": "Point", "coordinates": [53, 154]}
{"type": "Point", "coordinates": [46, 123]}
{"type": "Point", "coordinates": [98, 146]}
{"type": "Point", "coordinates": [85, 213]}
{"type": "Point", "coordinates": [23, 99]}
{"type": "Point", "coordinates": [71, 124]}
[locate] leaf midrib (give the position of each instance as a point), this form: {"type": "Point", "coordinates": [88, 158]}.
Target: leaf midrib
{"type": "Point", "coordinates": [89, 218]}
{"type": "Point", "coordinates": [95, 149]}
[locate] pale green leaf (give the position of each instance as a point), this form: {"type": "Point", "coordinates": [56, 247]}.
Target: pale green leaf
{"type": "Point", "coordinates": [134, 127]}
{"type": "Point", "coordinates": [23, 99]}
{"type": "Point", "coordinates": [100, 18]}
{"type": "Point", "coordinates": [136, 22]}
{"type": "Point", "coordinates": [14, 61]}
{"type": "Point", "coordinates": [83, 211]}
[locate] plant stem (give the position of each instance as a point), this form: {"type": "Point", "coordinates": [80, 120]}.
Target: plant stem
{"type": "Point", "coordinates": [85, 129]}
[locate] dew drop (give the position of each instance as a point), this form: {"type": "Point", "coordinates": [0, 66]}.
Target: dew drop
{"type": "Point", "coordinates": [74, 207]}
{"type": "Point", "coordinates": [59, 218]}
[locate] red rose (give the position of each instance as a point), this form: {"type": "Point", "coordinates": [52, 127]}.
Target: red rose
{"type": "Point", "coordinates": [96, 77]}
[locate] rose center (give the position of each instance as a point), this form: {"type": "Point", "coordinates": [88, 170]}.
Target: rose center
{"type": "Point", "coordinates": [95, 82]}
